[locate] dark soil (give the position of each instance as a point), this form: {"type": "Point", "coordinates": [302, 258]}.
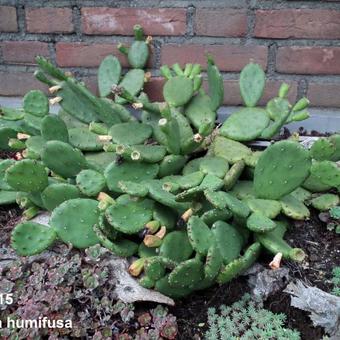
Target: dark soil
{"type": "Point", "coordinates": [321, 246]}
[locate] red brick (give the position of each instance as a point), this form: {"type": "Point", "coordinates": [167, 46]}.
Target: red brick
{"type": "Point", "coordinates": [298, 23]}
{"type": "Point", "coordinates": [18, 83]}
{"type": "Point", "coordinates": [324, 94]}
{"type": "Point", "coordinates": [154, 89]}
{"type": "Point", "coordinates": [85, 55]}
{"type": "Point", "coordinates": [49, 20]}
{"type": "Point", "coordinates": [227, 57]}
{"type": "Point", "coordinates": [308, 60]}
{"type": "Point", "coordinates": [221, 22]}
{"type": "Point", "coordinates": [119, 21]}
{"type": "Point", "coordinates": [8, 19]}
{"type": "Point", "coordinates": [23, 52]}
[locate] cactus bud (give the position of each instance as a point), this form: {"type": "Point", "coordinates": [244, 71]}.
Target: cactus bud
{"type": "Point", "coordinates": [152, 226]}
{"type": "Point", "coordinates": [135, 155]}
{"type": "Point", "coordinates": [137, 106]}
{"type": "Point", "coordinates": [147, 77]}
{"type": "Point", "coordinates": [301, 104]}
{"type": "Point", "coordinates": [104, 138]}
{"type": "Point", "coordinates": [31, 212]}
{"type": "Point", "coordinates": [110, 147]}
{"type": "Point", "coordinates": [161, 232]}
{"type": "Point", "coordinates": [54, 88]}
{"type": "Point", "coordinates": [22, 136]}
{"type": "Point", "coordinates": [148, 39]}
{"type": "Point", "coordinates": [283, 91]}
{"type": "Point", "coordinates": [152, 241]}
{"type": "Point", "coordinates": [123, 49]}
{"type": "Point", "coordinates": [136, 267]}
{"type": "Point", "coordinates": [55, 100]}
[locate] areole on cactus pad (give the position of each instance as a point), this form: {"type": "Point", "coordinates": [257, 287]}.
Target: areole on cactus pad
{"type": "Point", "coordinates": [188, 198]}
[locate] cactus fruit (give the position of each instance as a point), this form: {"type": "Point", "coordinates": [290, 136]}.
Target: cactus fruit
{"type": "Point", "coordinates": [325, 202]}
{"type": "Point", "coordinates": [54, 128]}
{"type": "Point", "coordinates": [57, 193]}
{"type": "Point", "coordinates": [36, 103]}
{"type": "Point", "coordinates": [252, 82]}
{"type": "Point", "coordinates": [108, 74]}
{"type": "Point", "coordinates": [245, 125]}
{"type": "Point", "coordinates": [90, 182]}
{"type": "Point", "coordinates": [63, 159]}
{"type": "Point", "coordinates": [289, 167]}
{"type": "Point", "coordinates": [31, 238]}
{"type": "Point", "coordinates": [27, 175]}
{"type": "Point", "coordinates": [73, 221]}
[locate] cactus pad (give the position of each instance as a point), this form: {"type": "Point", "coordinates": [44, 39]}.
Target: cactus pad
{"type": "Point", "coordinates": [31, 238]}
{"type": "Point", "coordinates": [164, 287]}
{"type": "Point", "coordinates": [129, 171]}
{"type": "Point", "coordinates": [294, 208]}
{"type": "Point", "coordinates": [245, 125]}
{"type": "Point", "coordinates": [57, 193]}
{"type": "Point", "coordinates": [7, 197]}
{"type": "Point", "coordinates": [268, 208]}
{"type": "Point", "coordinates": [178, 90]}
{"type": "Point", "coordinates": [27, 175]}
{"type": "Point", "coordinates": [84, 139]}
{"type": "Point", "coordinates": [327, 172]}
{"type": "Point", "coordinates": [164, 215]}
{"type": "Point", "coordinates": [211, 216]}
{"type": "Point", "coordinates": [301, 194]}
{"type": "Point", "coordinates": [133, 82]}
{"type": "Point", "coordinates": [74, 220]}
{"type": "Point", "coordinates": [130, 133]}
{"type": "Point", "coordinates": [90, 182]}
{"type": "Point", "coordinates": [63, 159]}
{"type": "Point", "coordinates": [200, 235]}
{"type": "Point", "coordinates": [176, 246]}
{"type": "Point", "coordinates": [213, 262]}
{"type": "Point", "coordinates": [322, 149]}
{"type": "Point", "coordinates": [229, 240]}
{"type": "Point", "coordinates": [54, 128]}
{"type": "Point", "coordinates": [36, 103]}
{"type": "Point", "coordinates": [252, 82]}
{"type": "Point", "coordinates": [243, 190]}
{"type": "Point", "coordinates": [4, 165]}
{"type": "Point", "coordinates": [289, 167]}
{"type": "Point", "coordinates": [230, 150]}
{"type": "Point", "coordinates": [128, 218]}
{"type": "Point", "coordinates": [133, 189]}
{"type": "Point", "coordinates": [108, 74]}
{"type": "Point", "coordinates": [186, 274]}
{"type": "Point", "coordinates": [216, 166]}
{"type": "Point", "coordinates": [260, 223]}
{"type": "Point", "coordinates": [5, 134]}
{"type": "Point", "coordinates": [325, 202]}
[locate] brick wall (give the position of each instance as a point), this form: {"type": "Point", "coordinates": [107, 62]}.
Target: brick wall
{"type": "Point", "coordinates": [295, 41]}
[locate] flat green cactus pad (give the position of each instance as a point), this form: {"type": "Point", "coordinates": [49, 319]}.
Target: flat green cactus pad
{"type": "Point", "coordinates": [277, 108]}
{"type": "Point", "coordinates": [133, 82]}
{"type": "Point", "coordinates": [301, 194]}
{"type": "Point", "coordinates": [31, 238]}
{"type": "Point", "coordinates": [90, 182]}
{"type": "Point", "coordinates": [138, 54]}
{"type": "Point", "coordinates": [129, 171]}
{"type": "Point", "coordinates": [313, 183]}
{"type": "Point", "coordinates": [27, 175]}
{"type": "Point", "coordinates": [260, 223]}
{"type": "Point", "coordinates": [63, 159]}
{"type": "Point", "coordinates": [268, 208]}
{"type": "Point", "coordinates": [229, 240]}
{"type": "Point", "coordinates": [252, 83]}
{"type": "Point", "coordinates": [200, 235]}
{"type": "Point", "coordinates": [144, 251]}
{"type": "Point", "coordinates": [294, 208]}
{"type": "Point", "coordinates": [165, 216]}
{"type": "Point", "coordinates": [211, 216]}
{"type": "Point", "coordinates": [130, 133]}
{"type": "Point", "coordinates": [155, 267]}
{"type": "Point", "coordinates": [253, 158]}
{"type": "Point", "coordinates": [289, 167]}
{"type": "Point", "coordinates": [54, 128]}
{"type": "Point", "coordinates": [176, 246]}
{"type": "Point", "coordinates": [245, 125]}
{"type": "Point", "coordinates": [165, 288]}
{"type": "Point", "coordinates": [99, 161]}
{"type": "Point", "coordinates": [192, 166]}
{"type": "Point", "coordinates": [84, 139]}
{"type": "Point", "coordinates": [7, 197]}
{"type": "Point", "coordinates": [230, 150]}
{"type": "Point", "coordinates": [322, 149]}
{"type": "Point", "coordinates": [5, 134]}
{"type": "Point", "coordinates": [335, 139]}
{"type": "Point", "coordinates": [243, 190]}
{"type": "Point", "coordinates": [7, 113]}
{"type": "Point", "coordinates": [186, 274]}
{"type": "Point", "coordinates": [171, 165]}
{"type": "Point", "coordinates": [213, 262]}
{"type": "Point", "coordinates": [109, 72]}
{"type": "Point", "coordinates": [35, 144]}
{"type": "Point", "coordinates": [191, 180]}
{"type": "Point", "coordinates": [178, 90]}
{"type": "Point", "coordinates": [70, 121]}
{"type": "Point", "coordinates": [133, 188]}
{"type": "Point", "coordinates": [36, 103]}
{"type": "Point", "coordinates": [74, 220]}
{"type": "Point", "coordinates": [4, 165]}
{"type": "Point", "coordinates": [216, 166]}
{"type": "Point", "coordinates": [325, 202]}
{"type": "Point", "coordinates": [128, 218]}
{"type": "Point", "coordinates": [327, 172]}
{"type": "Point", "coordinates": [57, 193]}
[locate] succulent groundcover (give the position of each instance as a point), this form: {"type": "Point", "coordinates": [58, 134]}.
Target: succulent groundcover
{"type": "Point", "coordinates": [187, 200]}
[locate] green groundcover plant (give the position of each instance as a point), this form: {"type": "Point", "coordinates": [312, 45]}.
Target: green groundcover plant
{"type": "Point", "coordinates": [189, 199]}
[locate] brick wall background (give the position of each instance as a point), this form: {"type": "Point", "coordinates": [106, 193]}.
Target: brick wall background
{"type": "Point", "coordinates": [295, 41]}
